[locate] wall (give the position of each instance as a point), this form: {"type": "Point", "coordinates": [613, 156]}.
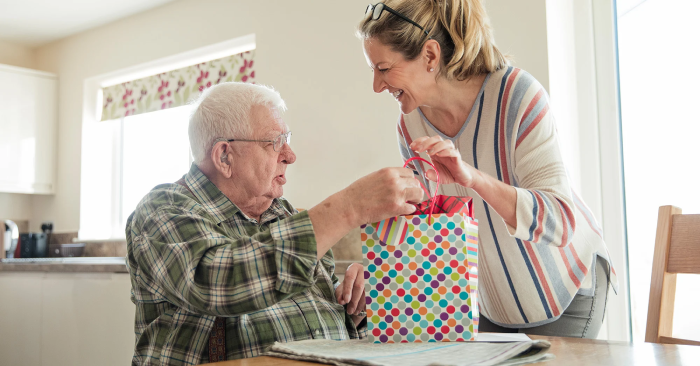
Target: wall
{"type": "Point", "coordinates": [15, 206]}
{"type": "Point", "coordinates": [306, 49]}
{"type": "Point", "coordinates": [520, 29]}
{"type": "Point", "coordinates": [16, 55]}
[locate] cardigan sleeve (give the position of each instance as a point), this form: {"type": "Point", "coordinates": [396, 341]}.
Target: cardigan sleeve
{"type": "Point", "coordinates": [545, 208]}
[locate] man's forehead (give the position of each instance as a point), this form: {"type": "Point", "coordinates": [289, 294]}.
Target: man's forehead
{"type": "Point", "coordinates": [273, 132]}
{"type": "Point", "coordinates": [270, 123]}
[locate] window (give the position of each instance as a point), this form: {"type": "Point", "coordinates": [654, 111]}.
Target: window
{"type": "Point", "coordinates": [657, 46]}
{"type": "Point", "coordinates": [123, 158]}
{"type": "Point", "coordinates": [129, 157]}
{"type": "Point", "coordinates": [155, 150]}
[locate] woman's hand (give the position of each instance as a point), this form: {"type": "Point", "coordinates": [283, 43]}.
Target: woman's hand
{"type": "Point", "coordinates": [447, 160]}
{"type": "Point", "coordinates": [352, 292]}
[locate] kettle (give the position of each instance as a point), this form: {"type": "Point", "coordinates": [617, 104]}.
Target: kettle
{"type": "Point", "coordinates": [11, 235]}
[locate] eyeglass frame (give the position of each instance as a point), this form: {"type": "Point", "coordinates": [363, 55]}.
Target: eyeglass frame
{"type": "Point", "coordinates": [383, 6]}
{"type": "Point", "coordinates": [286, 140]}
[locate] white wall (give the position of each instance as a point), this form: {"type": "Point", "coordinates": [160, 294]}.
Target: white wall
{"type": "Point", "coordinates": [15, 206]}
{"type": "Point", "coordinates": [306, 49]}
{"type": "Point", "coordinates": [16, 55]}
{"type": "Point", "coordinates": [520, 28]}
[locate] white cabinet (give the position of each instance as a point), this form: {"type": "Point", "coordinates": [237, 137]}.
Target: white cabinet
{"type": "Point", "coordinates": [28, 122]}
{"type": "Point", "coordinates": [66, 319]}
{"type": "Point", "coordinates": [20, 318]}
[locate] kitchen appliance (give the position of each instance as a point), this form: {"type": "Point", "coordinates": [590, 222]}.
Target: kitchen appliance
{"type": "Point", "coordinates": [66, 250]}
{"type": "Point", "coordinates": [33, 245]}
{"type": "Point", "coordinates": [10, 237]}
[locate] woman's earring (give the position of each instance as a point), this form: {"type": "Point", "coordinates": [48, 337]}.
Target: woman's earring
{"type": "Point", "coordinates": [431, 69]}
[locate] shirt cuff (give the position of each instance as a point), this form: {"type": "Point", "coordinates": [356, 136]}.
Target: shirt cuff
{"type": "Point", "coordinates": [295, 256]}
{"type": "Point", "coordinates": [362, 329]}
{"type": "Point", "coordinates": [523, 215]}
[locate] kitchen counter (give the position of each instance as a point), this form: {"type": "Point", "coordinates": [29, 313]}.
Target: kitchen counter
{"type": "Point", "coordinates": [93, 264]}
{"type": "Point", "coordinates": [76, 264]}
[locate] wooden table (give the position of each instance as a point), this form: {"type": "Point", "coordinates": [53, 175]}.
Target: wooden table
{"type": "Point", "coordinates": [568, 351]}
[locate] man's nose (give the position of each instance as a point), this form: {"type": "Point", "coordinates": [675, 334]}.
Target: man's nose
{"type": "Point", "coordinates": [377, 82]}
{"type": "Point", "coordinates": [287, 156]}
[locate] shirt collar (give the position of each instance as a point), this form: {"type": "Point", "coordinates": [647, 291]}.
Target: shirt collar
{"type": "Point", "coordinates": [218, 204]}
{"type": "Point", "coordinates": [275, 211]}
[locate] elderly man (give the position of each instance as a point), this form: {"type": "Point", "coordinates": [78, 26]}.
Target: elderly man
{"type": "Point", "coordinates": [221, 265]}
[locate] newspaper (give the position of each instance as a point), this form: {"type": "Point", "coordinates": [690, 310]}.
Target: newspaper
{"type": "Point", "coordinates": [362, 352]}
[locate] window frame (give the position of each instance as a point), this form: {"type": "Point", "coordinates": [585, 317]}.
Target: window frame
{"type": "Point", "coordinates": [614, 218]}
{"type": "Point", "coordinates": [582, 46]}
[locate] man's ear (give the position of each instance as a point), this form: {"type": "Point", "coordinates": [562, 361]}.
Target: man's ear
{"type": "Point", "coordinates": [221, 158]}
{"type": "Point", "coordinates": [431, 54]}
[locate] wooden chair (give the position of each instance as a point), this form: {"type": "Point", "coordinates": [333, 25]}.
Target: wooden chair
{"type": "Point", "coordinates": [677, 250]}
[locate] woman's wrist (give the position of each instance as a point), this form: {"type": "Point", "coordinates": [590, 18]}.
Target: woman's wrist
{"type": "Point", "coordinates": [500, 196]}
{"type": "Point", "coordinates": [477, 182]}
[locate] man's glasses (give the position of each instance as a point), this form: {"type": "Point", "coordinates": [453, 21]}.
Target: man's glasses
{"type": "Point", "coordinates": [379, 8]}
{"type": "Point", "coordinates": [277, 143]}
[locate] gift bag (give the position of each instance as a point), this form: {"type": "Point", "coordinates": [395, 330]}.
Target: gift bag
{"type": "Point", "coordinates": [421, 273]}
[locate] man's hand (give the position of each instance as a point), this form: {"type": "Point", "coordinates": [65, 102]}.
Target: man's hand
{"type": "Point", "coordinates": [352, 292]}
{"type": "Point", "coordinates": [375, 197]}
{"type": "Point", "coordinates": [385, 193]}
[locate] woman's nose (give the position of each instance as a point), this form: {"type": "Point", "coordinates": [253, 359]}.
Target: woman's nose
{"type": "Point", "coordinates": [377, 82]}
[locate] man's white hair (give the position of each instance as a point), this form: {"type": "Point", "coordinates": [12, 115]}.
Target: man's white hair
{"type": "Point", "coordinates": [223, 111]}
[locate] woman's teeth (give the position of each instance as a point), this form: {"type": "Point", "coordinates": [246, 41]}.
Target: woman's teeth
{"type": "Point", "coordinates": [397, 94]}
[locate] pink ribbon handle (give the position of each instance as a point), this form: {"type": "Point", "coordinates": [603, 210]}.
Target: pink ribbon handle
{"type": "Point", "coordinates": [432, 199]}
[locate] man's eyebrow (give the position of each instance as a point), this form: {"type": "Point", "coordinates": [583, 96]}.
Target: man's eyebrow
{"type": "Point", "coordinates": [273, 134]}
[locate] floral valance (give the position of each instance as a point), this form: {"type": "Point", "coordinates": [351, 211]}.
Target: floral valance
{"type": "Point", "coordinates": [174, 88]}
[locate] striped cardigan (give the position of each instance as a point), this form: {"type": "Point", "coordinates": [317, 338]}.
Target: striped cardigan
{"type": "Point", "coordinates": [529, 273]}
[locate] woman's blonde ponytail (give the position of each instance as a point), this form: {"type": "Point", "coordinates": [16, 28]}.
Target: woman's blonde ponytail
{"type": "Point", "coordinates": [461, 27]}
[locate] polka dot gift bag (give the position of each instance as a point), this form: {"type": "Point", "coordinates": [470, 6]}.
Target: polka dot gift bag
{"type": "Point", "coordinates": [421, 273]}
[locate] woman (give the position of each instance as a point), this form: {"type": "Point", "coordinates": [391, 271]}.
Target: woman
{"type": "Point", "coordinates": [543, 266]}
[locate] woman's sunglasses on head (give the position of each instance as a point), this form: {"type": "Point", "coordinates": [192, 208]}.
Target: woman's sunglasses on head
{"type": "Point", "coordinates": [378, 9]}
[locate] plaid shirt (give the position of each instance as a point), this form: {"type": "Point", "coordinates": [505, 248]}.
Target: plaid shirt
{"type": "Point", "coordinates": [193, 256]}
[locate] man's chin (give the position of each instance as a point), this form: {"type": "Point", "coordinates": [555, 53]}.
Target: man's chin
{"type": "Point", "coordinates": [277, 186]}
{"type": "Point", "coordinates": [276, 192]}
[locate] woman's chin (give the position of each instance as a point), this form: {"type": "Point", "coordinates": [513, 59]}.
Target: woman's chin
{"type": "Point", "coordinates": [406, 108]}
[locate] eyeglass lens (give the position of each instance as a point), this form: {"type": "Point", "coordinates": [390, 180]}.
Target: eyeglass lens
{"type": "Point", "coordinates": [281, 140]}
{"type": "Point", "coordinates": [377, 11]}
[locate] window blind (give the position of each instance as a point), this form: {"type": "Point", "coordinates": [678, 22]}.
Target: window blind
{"type": "Point", "coordinates": [174, 88]}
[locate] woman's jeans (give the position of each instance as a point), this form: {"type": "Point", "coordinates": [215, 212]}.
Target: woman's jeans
{"type": "Point", "coordinates": [582, 319]}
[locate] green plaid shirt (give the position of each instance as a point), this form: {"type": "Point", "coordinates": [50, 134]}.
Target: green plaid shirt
{"type": "Point", "coordinates": [193, 256]}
